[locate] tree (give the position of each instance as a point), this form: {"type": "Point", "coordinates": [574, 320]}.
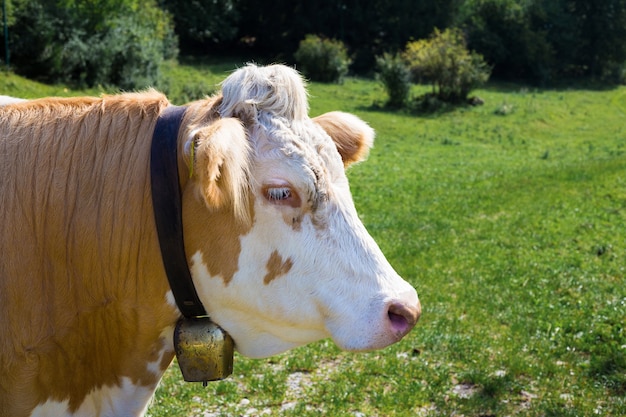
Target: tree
{"type": "Point", "coordinates": [204, 24]}
{"type": "Point", "coordinates": [367, 28]}
{"type": "Point", "coordinates": [589, 36]}
{"type": "Point", "coordinates": [543, 40]}
{"type": "Point", "coordinates": [512, 37]}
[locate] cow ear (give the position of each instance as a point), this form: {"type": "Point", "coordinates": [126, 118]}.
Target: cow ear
{"type": "Point", "coordinates": [221, 161]}
{"type": "Point", "coordinates": [353, 136]}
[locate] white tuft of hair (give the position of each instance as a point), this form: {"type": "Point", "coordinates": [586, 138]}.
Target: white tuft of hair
{"type": "Point", "coordinates": [275, 89]}
{"type": "Point", "coordinates": [6, 100]}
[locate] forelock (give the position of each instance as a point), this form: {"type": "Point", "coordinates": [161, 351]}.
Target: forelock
{"type": "Point", "coordinates": [276, 89]}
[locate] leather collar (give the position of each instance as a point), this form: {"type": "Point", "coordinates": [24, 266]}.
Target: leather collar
{"type": "Point", "coordinates": [167, 205]}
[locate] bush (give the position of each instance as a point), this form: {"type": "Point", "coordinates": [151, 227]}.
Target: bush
{"type": "Point", "coordinates": [445, 62]}
{"type": "Point", "coordinates": [120, 43]}
{"type": "Point", "coordinates": [396, 78]}
{"type": "Point", "coordinates": [129, 54]}
{"type": "Point", "coordinates": [324, 60]}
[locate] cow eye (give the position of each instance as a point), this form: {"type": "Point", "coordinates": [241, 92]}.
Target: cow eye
{"type": "Point", "coordinates": [281, 195]}
{"type": "Point", "coordinates": [278, 194]}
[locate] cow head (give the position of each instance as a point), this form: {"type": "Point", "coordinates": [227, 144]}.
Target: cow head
{"type": "Point", "coordinates": [278, 253]}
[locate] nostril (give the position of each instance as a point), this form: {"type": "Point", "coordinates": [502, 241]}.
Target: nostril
{"type": "Point", "coordinates": [402, 317]}
{"type": "Point", "coordinates": [398, 322]}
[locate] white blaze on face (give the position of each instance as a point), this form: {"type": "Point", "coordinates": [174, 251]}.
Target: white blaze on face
{"type": "Point", "coordinates": [307, 269]}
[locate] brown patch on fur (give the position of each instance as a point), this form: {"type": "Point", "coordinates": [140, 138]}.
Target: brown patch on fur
{"type": "Point", "coordinates": [296, 222]}
{"type": "Point", "coordinates": [217, 200]}
{"type": "Point", "coordinates": [221, 246]}
{"type": "Point", "coordinates": [82, 288]}
{"type": "Point", "coordinates": [276, 267]}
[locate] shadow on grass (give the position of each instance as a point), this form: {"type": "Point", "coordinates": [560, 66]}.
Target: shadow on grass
{"type": "Point", "coordinates": [222, 63]}
{"type": "Point", "coordinates": [426, 105]}
{"type": "Point", "coordinates": [499, 86]}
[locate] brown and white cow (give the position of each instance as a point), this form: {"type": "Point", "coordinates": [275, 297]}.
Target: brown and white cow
{"type": "Point", "coordinates": [276, 249]}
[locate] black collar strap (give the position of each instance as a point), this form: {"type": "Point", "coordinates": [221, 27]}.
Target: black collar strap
{"type": "Point", "coordinates": [167, 205]}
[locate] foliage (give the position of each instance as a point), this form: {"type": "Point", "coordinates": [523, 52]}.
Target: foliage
{"type": "Point", "coordinates": [542, 40]}
{"type": "Point", "coordinates": [323, 60]}
{"type": "Point", "coordinates": [368, 28]}
{"type": "Point", "coordinates": [118, 42]}
{"type": "Point", "coordinates": [204, 24]}
{"type": "Point", "coordinates": [504, 32]}
{"type": "Point", "coordinates": [444, 61]}
{"type": "Point", "coordinates": [589, 36]}
{"type": "Point", "coordinates": [395, 77]}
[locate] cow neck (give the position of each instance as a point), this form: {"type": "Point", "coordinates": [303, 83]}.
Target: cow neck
{"type": "Point", "coordinates": [167, 205]}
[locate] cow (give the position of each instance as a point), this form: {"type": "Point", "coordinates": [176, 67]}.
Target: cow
{"type": "Point", "coordinates": [277, 253]}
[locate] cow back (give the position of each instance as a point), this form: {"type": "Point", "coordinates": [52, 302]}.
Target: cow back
{"type": "Point", "coordinates": [79, 264]}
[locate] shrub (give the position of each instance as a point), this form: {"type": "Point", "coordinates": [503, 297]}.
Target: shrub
{"type": "Point", "coordinates": [323, 60]}
{"type": "Point", "coordinates": [445, 62]}
{"type": "Point", "coordinates": [396, 78]}
{"type": "Point", "coordinates": [119, 43]}
{"type": "Point", "coordinates": [130, 53]}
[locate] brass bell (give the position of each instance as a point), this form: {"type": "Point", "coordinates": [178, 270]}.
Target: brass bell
{"type": "Point", "coordinates": [203, 349]}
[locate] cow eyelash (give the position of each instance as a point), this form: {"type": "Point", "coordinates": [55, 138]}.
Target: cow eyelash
{"type": "Point", "coordinates": [282, 195]}
{"type": "Point", "coordinates": [276, 194]}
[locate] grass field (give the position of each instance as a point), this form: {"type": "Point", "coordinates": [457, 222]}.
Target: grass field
{"type": "Point", "coordinates": [508, 218]}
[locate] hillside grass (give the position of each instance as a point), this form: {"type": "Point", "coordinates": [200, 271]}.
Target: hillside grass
{"type": "Point", "coordinates": [509, 219]}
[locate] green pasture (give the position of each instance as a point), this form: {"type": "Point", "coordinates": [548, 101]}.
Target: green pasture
{"type": "Point", "coordinates": [509, 219]}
